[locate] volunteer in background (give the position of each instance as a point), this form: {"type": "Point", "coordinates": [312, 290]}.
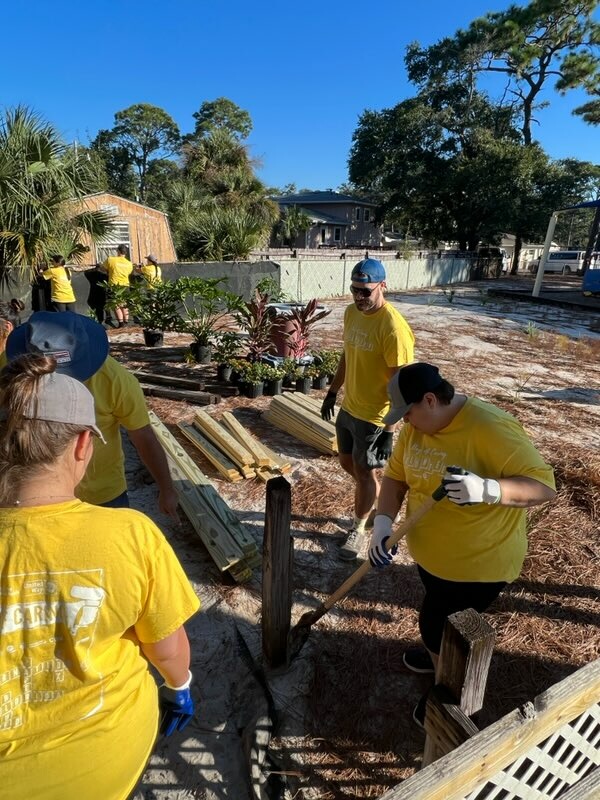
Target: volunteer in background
{"type": "Point", "coordinates": [90, 595]}
{"type": "Point", "coordinates": [61, 288]}
{"type": "Point", "coordinates": [80, 346]}
{"type": "Point", "coordinates": [10, 318]}
{"type": "Point", "coordinates": [469, 548]}
{"type": "Point", "coordinates": [151, 271]}
{"type": "Point", "coordinates": [118, 269]}
{"type": "Point", "coordinates": [377, 341]}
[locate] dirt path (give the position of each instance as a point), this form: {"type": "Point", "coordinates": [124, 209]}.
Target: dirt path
{"type": "Point", "coordinates": [345, 728]}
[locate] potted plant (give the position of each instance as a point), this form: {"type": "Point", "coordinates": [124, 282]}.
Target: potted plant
{"type": "Point", "coordinates": [255, 320]}
{"type": "Point", "coordinates": [303, 381]}
{"type": "Point", "coordinates": [318, 375]}
{"type": "Point", "coordinates": [252, 380]}
{"type": "Point", "coordinates": [227, 347]}
{"type": "Point", "coordinates": [327, 362]}
{"type": "Point", "coordinates": [273, 380]}
{"type": "Point", "coordinates": [206, 309]}
{"type": "Point", "coordinates": [300, 320]}
{"type": "Point", "coordinates": [155, 308]}
{"type": "Point", "coordinates": [238, 368]}
{"type": "Point", "coordinates": [289, 367]}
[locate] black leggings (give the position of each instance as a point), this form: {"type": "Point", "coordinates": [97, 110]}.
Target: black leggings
{"type": "Point", "coordinates": [443, 598]}
{"type": "Point", "coordinates": [56, 306]}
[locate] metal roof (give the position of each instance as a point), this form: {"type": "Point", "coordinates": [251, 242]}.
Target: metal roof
{"type": "Point", "coordinates": [321, 197]}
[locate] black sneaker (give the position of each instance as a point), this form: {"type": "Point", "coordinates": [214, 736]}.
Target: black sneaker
{"type": "Point", "coordinates": [418, 713]}
{"type": "Point", "coordinates": [417, 659]}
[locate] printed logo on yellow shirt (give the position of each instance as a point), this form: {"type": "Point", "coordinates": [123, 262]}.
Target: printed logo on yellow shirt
{"type": "Point", "coordinates": [359, 339]}
{"type": "Point", "coordinates": [425, 461]}
{"type": "Point", "coordinates": [43, 608]}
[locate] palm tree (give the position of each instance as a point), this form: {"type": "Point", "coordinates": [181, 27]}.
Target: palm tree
{"type": "Point", "coordinates": [42, 183]}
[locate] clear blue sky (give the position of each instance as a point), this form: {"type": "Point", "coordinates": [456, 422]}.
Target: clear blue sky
{"type": "Point", "coordinates": [303, 71]}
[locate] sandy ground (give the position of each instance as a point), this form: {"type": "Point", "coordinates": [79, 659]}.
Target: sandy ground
{"type": "Point", "coordinates": [541, 364]}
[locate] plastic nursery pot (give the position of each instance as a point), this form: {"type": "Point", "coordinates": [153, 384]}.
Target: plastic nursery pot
{"type": "Point", "coordinates": [273, 387]}
{"type": "Point", "coordinates": [153, 338]}
{"type": "Point", "coordinates": [252, 390]}
{"type": "Point", "coordinates": [304, 385]}
{"type": "Point", "coordinates": [224, 373]}
{"type": "Point", "coordinates": [202, 353]}
{"type": "Point", "coordinates": [320, 382]}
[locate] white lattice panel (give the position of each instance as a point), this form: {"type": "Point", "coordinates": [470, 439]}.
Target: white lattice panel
{"type": "Point", "coordinates": [550, 768]}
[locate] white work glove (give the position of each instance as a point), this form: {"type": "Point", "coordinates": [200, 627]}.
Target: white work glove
{"type": "Point", "coordinates": [378, 553]}
{"type": "Point", "coordinates": [470, 488]}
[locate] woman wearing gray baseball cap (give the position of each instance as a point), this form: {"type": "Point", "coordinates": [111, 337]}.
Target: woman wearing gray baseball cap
{"type": "Point", "coordinates": [89, 596]}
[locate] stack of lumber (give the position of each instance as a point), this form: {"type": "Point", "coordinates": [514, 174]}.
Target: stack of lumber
{"type": "Point", "coordinates": [231, 449]}
{"type": "Point", "coordinates": [300, 416]}
{"type": "Point", "coordinates": [175, 388]}
{"type": "Point", "coordinates": [229, 544]}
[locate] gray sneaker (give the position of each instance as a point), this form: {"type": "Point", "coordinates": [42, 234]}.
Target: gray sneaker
{"type": "Point", "coordinates": [353, 545]}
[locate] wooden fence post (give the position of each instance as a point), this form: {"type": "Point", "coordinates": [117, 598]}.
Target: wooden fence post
{"type": "Point", "coordinates": [462, 670]}
{"type": "Point", "coordinates": [278, 554]}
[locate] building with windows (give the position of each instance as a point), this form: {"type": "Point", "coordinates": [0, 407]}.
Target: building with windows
{"type": "Point", "coordinates": [338, 220]}
{"type": "Point", "coordinates": [140, 228]}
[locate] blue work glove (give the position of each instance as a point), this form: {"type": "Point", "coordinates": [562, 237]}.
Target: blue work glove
{"type": "Point", "coordinates": [176, 707]}
{"type": "Point", "coordinates": [383, 445]}
{"type": "Point", "coordinates": [327, 411]}
{"type": "Point", "coordinates": [467, 488]}
{"type": "Point", "coordinates": [378, 553]}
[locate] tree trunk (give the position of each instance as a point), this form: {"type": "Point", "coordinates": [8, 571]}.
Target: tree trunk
{"type": "Point", "coordinates": [516, 254]}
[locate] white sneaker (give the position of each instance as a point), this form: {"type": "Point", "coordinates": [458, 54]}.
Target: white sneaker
{"type": "Point", "coordinates": [353, 545]}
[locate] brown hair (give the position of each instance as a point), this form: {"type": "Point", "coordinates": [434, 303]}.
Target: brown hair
{"type": "Point", "coordinates": [27, 445]}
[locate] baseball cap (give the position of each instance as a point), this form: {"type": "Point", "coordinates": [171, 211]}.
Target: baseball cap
{"type": "Point", "coordinates": [152, 257]}
{"type": "Point", "coordinates": [60, 398]}
{"type": "Point", "coordinates": [369, 270]}
{"type": "Point", "coordinates": [78, 343]}
{"type": "Point", "coordinates": [408, 386]}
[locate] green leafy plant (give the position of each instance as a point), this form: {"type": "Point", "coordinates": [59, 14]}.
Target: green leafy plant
{"type": "Point", "coordinates": [273, 373]}
{"type": "Point", "coordinates": [326, 361]}
{"type": "Point", "coordinates": [254, 319]}
{"type": "Point", "coordinates": [532, 330]}
{"type": "Point", "coordinates": [226, 347]}
{"type": "Point", "coordinates": [270, 287]}
{"type": "Point", "coordinates": [154, 307]}
{"type": "Point", "coordinates": [254, 372]}
{"type": "Point", "coordinates": [206, 307]}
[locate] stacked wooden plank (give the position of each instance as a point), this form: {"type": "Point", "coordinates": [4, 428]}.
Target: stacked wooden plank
{"type": "Point", "coordinates": [231, 449]}
{"type": "Point", "coordinates": [229, 544]}
{"type": "Point", "coordinates": [300, 416]}
{"type": "Point", "coordinates": [176, 388]}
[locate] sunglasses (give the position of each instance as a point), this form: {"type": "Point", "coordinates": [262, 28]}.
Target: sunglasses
{"type": "Point", "coordinates": [359, 290]}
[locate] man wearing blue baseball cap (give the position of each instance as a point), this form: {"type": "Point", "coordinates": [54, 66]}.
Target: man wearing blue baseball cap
{"type": "Point", "coordinates": [377, 342]}
{"type": "Point", "coordinates": [80, 347]}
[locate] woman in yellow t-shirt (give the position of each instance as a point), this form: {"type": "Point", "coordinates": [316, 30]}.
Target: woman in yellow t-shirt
{"type": "Point", "coordinates": [62, 295]}
{"type": "Point", "coordinates": [90, 596]}
{"type": "Point", "coordinates": [151, 271]}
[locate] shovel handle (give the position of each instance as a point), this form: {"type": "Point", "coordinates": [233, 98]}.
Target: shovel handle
{"type": "Point", "coordinates": [394, 538]}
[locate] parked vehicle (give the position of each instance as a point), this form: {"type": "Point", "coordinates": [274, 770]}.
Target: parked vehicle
{"type": "Point", "coordinates": [591, 279]}
{"type": "Point", "coordinates": [562, 261]}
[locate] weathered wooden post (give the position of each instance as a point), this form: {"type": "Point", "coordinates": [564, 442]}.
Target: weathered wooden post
{"type": "Point", "coordinates": [278, 554]}
{"type": "Point", "coordinates": [461, 677]}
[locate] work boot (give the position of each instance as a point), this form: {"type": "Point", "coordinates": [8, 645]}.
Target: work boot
{"type": "Point", "coordinates": [417, 659]}
{"type": "Point", "coordinates": [353, 545]}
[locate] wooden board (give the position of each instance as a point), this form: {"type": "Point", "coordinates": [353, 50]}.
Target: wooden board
{"type": "Point", "coordinates": [219, 460]}
{"type": "Point", "coordinates": [170, 380]}
{"type": "Point", "coordinates": [198, 398]}
{"type": "Point", "coordinates": [245, 438]}
{"type": "Point", "coordinates": [224, 440]}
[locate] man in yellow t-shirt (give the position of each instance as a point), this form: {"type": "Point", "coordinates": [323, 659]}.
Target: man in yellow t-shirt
{"type": "Point", "coordinates": [468, 547]}
{"type": "Point", "coordinates": [61, 288]}
{"type": "Point", "coordinates": [119, 268]}
{"type": "Point", "coordinates": [377, 342]}
{"type": "Point", "coordinates": [80, 346]}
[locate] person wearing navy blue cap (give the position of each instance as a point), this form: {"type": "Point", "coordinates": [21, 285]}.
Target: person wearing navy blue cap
{"type": "Point", "coordinates": [80, 347]}
{"type": "Point", "coordinates": [377, 342]}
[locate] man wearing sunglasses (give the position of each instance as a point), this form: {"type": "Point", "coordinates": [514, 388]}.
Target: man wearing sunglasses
{"type": "Point", "coordinates": [377, 342]}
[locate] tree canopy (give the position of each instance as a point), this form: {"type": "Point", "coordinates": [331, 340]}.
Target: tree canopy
{"type": "Point", "coordinates": [221, 114]}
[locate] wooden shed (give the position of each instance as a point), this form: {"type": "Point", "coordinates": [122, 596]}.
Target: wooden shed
{"type": "Point", "coordinates": [142, 229]}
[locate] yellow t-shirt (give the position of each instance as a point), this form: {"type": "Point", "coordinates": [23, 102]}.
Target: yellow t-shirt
{"type": "Point", "coordinates": [119, 401]}
{"type": "Point", "coordinates": [61, 289]}
{"type": "Point", "coordinates": [372, 344]}
{"type": "Point", "coordinates": [118, 269]}
{"type": "Point", "coordinates": [468, 543]}
{"type": "Point", "coordinates": [152, 274]}
{"type": "Point", "coordinates": [81, 587]}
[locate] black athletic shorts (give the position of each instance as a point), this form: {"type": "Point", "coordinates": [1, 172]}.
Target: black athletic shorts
{"type": "Point", "coordinates": [356, 437]}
